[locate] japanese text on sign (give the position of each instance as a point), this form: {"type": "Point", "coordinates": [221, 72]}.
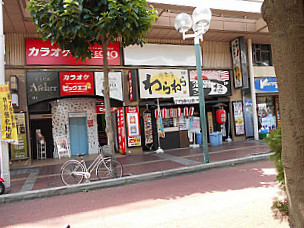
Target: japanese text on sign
{"type": "Point", "coordinates": [8, 121]}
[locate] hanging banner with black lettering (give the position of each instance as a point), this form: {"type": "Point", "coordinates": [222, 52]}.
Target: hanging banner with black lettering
{"type": "Point", "coordinates": [8, 122]}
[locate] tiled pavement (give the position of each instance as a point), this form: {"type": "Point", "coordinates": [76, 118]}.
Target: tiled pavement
{"type": "Point", "coordinates": [46, 174]}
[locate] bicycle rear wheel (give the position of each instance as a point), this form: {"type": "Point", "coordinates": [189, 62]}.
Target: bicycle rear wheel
{"type": "Point", "coordinates": [109, 168]}
{"type": "Point", "coordinates": [72, 172]}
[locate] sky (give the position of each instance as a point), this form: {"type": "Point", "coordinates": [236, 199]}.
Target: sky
{"type": "Point", "coordinates": [252, 6]}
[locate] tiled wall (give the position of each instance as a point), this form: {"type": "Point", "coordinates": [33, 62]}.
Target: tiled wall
{"type": "Point", "coordinates": [60, 119]}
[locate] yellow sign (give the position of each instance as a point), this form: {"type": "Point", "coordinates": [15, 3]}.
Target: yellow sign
{"type": "Point", "coordinates": [8, 121]}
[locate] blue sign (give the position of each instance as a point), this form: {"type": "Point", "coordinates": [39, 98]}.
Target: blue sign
{"type": "Point", "coordinates": [266, 85]}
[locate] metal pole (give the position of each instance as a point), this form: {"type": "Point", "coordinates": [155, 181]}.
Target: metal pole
{"type": "Point", "coordinates": [252, 90]}
{"type": "Point", "coordinates": [201, 98]}
{"type": "Point", "coordinates": [4, 157]}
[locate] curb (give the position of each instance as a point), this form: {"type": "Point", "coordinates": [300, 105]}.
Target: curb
{"type": "Point", "coordinates": [64, 190]}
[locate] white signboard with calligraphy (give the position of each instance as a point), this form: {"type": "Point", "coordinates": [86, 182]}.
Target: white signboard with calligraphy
{"type": "Point", "coordinates": [115, 84]}
{"type": "Point", "coordinates": [163, 83]}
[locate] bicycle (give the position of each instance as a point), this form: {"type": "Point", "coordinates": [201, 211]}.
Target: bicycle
{"type": "Point", "coordinates": [74, 171]}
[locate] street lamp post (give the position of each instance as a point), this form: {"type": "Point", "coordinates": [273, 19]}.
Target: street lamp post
{"type": "Point", "coordinates": [200, 23]}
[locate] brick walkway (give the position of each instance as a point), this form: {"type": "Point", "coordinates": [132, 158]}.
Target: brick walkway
{"type": "Point", "coordinates": [46, 174]}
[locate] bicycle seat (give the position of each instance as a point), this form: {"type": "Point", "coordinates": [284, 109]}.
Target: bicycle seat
{"type": "Point", "coordinates": [81, 155]}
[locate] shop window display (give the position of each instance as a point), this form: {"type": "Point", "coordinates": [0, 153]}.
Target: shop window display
{"type": "Point", "coordinates": [266, 114]}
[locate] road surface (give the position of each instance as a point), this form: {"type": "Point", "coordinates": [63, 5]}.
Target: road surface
{"type": "Point", "coordinates": [232, 197]}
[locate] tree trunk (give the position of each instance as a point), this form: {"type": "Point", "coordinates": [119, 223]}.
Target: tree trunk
{"type": "Point", "coordinates": [286, 26]}
{"type": "Point", "coordinates": [106, 92]}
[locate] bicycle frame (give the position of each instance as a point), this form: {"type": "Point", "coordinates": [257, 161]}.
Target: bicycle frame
{"type": "Point", "coordinates": [94, 165]}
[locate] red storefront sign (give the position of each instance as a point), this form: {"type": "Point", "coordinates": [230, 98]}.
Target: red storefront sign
{"type": "Point", "coordinates": [130, 86]}
{"type": "Point", "coordinates": [76, 83]}
{"type": "Point", "coordinates": [39, 52]}
{"type": "Point", "coordinates": [100, 109]}
{"type": "Point", "coordinates": [121, 130]}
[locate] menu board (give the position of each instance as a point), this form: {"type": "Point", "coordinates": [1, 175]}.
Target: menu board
{"type": "Point", "coordinates": [238, 118]}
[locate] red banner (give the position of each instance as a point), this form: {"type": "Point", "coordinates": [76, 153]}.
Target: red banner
{"type": "Point", "coordinates": [76, 83]}
{"type": "Point", "coordinates": [121, 130]}
{"type": "Point", "coordinates": [130, 86]}
{"type": "Point", "coordinates": [100, 109]}
{"type": "Point", "coordinates": [39, 52]}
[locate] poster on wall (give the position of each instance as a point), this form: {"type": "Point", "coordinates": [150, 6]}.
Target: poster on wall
{"type": "Point", "coordinates": [115, 83]}
{"type": "Point", "coordinates": [163, 83]}
{"type": "Point", "coordinates": [236, 63]}
{"type": "Point", "coordinates": [215, 83]}
{"type": "Point", "coordinates": [132, 116]}
{"type": "Point", "coordinates": [238, 117]}
{"type": "Point", "coordinates": [41, 85]}
{"type": "Point", "coordinates": [121, 130]}
{"type": "Point", "coordinates": [39, 52]}
{"type": "Point", "coordinates": [8, 121]}
{"type": "Point", "coordinates": [76, 83]}
{"type": "Point", "coordinates": [20, 150]}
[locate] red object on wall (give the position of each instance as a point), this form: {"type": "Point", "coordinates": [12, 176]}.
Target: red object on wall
{"type": "Point", "coordinates": [221, 116]}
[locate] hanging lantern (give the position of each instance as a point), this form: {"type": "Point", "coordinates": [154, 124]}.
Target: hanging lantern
{"type": "Point", "coordinates": [179, 112]}
{"type": "Point", "coordinates": [191, 111]}
{"type": "Point", "coordinates": [185, 111]}
{"type": "Point", "coordinates": [221, 116]}
{"type": "Point", "coordinates": [171, 112]}
{"type": "Point", "coordinates": [164, 113]}
{"type": "Point", "coordinates": [156, 113]}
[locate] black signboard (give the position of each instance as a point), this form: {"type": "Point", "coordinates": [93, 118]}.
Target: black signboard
{"type": "Point", "coordinates": [216, 83]}
{"type": "Point", "coordinates": [42, 85]}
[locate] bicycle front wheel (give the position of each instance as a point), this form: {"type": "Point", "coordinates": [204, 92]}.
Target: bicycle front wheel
{"type": "Point", "coordinates": [109, 168]}
{"type": "Point", "coordinates": [72, 172]}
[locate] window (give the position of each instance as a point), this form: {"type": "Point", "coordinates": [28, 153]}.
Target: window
{"type": "Point", "coordinates": [262, 55]}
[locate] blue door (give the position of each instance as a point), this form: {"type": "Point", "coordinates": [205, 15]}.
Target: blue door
{"type": "Point", "coordinates": [78, 135]}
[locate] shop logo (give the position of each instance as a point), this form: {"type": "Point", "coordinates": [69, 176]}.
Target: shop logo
{"type": "Point", "coordinates": [164, 83]}
{"type": "Point", "coordinates": [266, 85]}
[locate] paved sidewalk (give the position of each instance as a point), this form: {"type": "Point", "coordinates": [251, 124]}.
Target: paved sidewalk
{"type": "Point", "coordinates": [42, 180]}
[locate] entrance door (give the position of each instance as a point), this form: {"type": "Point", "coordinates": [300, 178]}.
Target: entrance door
{"type": "Point", "coordinates": [78, 135]}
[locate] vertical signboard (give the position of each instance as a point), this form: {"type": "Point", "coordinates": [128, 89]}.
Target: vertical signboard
{"type": "Point", "coordinates": [121, 130]}
{"type": "Point", "coordinates": [132, 116]}
{"type": "Point", "coordinates": [76, 83]}
{"type": "Point", "coordinates": [238, 118]}
{"type": "Point", "coordinates": [148, 127]}
{"type": "Point", "coordinates": [20, 150]}
{"type": "Point", "coordinates": [8, 121]}
{"type": "Point", "coordinates": [236, 63]}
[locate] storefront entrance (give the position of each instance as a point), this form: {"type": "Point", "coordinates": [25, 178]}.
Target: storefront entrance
{"type": "Point", "coordinates": [78, 135]}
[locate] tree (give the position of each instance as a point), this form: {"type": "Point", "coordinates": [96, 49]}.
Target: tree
{"type": "Point", "coordinates": [76, 24]}
{"type": "Point", "coordinates": [285, 20]}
